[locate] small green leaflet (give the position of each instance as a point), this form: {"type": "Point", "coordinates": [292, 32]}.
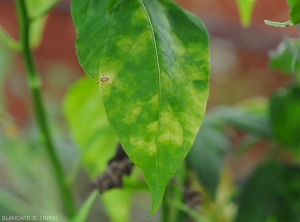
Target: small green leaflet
{"type": "Point", "coordinates": [84, 211]}
{"type": "Point", "coordinates": [151, 59]}
{"type": "Point", "coordinates": [295, 10]}
{"type": "Point", "coordinates": [279, 24]}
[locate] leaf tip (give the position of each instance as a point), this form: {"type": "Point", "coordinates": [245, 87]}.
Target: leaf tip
{"type": "Point", "coordinates": [153, 210]}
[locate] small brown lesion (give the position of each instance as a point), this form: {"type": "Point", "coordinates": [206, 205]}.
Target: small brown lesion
{"type": "Point", "coordinates": [104, 79]}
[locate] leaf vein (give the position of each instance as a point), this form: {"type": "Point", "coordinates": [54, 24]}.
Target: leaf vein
{"type": "Point", "coordinates": [159, 87]}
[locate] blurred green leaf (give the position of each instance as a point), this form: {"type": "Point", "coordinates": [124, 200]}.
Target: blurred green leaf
{"type": "Point", "coordinates": [15, 204]}
{"type": "Point", "coordinates": [89, 126]}
{"type": "Point", "coordinates": [117, 204]}
{"type": "Point", "coordinates": [282, 57]}
{"type": "Point", "coordinates": [255, 123]}
{"type": "Point", "coordinates": [97, 143]}
{"type": "Point", "coordinates": [295, 9]}
{"type": "Point", "coordinates": [21, 181]}
{"type": "Point", "coordinates": [285, 116]}
{"type": "Point", "coordinates": [84, 211]}
{"type": "Point", "coordinates": [272, 191]}
{"type": "Point", "coordinates": [245, 8]}
{"type": "Point", "coordinates": [206, 155]}
{"type": "Point", "coordinates": [278, 24]}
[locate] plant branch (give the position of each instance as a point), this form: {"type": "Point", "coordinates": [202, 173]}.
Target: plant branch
{"type": "Point", "coordinates": [8, 40]}
{"type": "Point", "coordinates": [35, 88]}
{"type": "Point", "coordinates": [44, 11]}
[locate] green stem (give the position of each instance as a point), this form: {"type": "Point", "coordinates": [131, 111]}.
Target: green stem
{"type": "Point", "coordinates": [165, 207]}
{"type": "Point", "coordinates": [35, 88]}
{"type": "Point", "coordinates": [8, 40]}
{"type": "Point", "coordinates": [45, 10]}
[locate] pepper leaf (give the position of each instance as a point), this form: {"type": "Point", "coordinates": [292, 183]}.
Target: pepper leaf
{"type": "Point", "coordinates": [151, 61]}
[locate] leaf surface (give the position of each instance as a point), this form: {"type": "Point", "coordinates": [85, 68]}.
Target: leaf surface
{"type": "Point", "coordinates": [151, 61]}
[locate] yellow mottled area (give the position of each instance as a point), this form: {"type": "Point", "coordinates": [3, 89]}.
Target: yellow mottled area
{"type": "Point", "coordinates": [138, 17]}
{"type": "Point", "coordinates": [123, 44]}
{"type": "Point", "coordinates": [147, 145]}
{"type": "Point", "coordinates": [135, 109]}
{"type": "Point", "coordinates": [170, 126]}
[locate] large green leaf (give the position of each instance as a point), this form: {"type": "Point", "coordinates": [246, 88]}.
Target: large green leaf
{"type": "Point", "coordinates": [285, 116]}
{"type": "Point", "coordinates": [272, 191]}
{"type": "Point", "coordinates": [295, 9]}
{"type": "Point", "coordinates": [151, 61]}
{"type": "Point", "coordinates": [245, 8]}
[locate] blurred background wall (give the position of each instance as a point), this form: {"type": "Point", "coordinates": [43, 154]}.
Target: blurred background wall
{"type": "Point", "coordinates": [239, 56]}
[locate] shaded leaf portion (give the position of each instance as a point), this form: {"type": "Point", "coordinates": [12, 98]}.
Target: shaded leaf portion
{"type": "Point", "coordinates": [245, 8]}
{"type": "Point", "coordinates": [97, 143]}
{"type": "Point", "coordinates": [285, 116]}
{"type": "Point", "coordinates": [151, 61]}
{"type": "Point", "coordinates": [295, 9]}
{"type": "Point", "coordinates": [272, 191]}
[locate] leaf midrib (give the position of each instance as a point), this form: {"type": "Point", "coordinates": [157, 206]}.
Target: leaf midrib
{"type": "Point", "coordinates": [159, 87]}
